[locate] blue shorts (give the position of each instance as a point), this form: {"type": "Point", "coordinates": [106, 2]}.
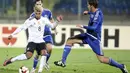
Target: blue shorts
{"type": "Point", "coordinates": [48, 39]}
{"type": "Point", "coordinates": [47, 35]}
{"type": "Point", "coordinates": [92, 41]}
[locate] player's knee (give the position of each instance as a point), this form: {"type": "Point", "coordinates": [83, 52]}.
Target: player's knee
{"type": "Point", "coordinates": [29, 55]}
{"type": "Point", "coordinates": [49, 48]}
{"type": "Point", "coordinates": [69, 41]}
{"type": "Point", "coordinates": [43, 52]}
{"type": "Point", "coordinates": [36, 57]}
{"type": "Point", "coordinates": [49, 51]}
{"type": "Point", "coordinates": [102, 60]}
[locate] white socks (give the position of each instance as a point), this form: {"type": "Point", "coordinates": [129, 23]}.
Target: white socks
{"type": "Point", "coordinates": [19, 57]}
{"type": "Point", "coordinates": [42, 63]}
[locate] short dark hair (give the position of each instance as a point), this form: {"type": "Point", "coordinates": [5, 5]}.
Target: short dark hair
{"type": "Point", "coordinates": [37, 1]}
{"type": "Point", "coordinates": [93, 3]}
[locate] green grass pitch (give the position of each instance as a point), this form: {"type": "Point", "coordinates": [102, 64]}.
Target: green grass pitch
{"type": "Point", "coordinates": [79, 61]}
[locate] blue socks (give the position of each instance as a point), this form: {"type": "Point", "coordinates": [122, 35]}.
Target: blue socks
{"type": "Point", "coordinates": [115, 64]}
{"type": "Point", "coordinates": [66, 52]}
{"type": "Point", "coordinates": [48, 56]}
{"type": "Point", "coordinates": [35, 63]}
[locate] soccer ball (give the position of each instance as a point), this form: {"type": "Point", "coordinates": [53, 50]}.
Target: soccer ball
{"type": "Point", "coordinates": [23, 69]}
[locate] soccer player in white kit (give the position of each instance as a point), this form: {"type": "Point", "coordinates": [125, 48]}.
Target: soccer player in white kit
{"type": "Point", "coordinates": [36, 28]}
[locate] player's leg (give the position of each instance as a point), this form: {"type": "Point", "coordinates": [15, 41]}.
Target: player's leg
{"type": "Point", "coordinates": [49, 43]}
{"type": "Point", "coordinates": [42, 60]}
{"type": "Point", "coordinates": [49, 50]}
{"type": "Point", "coordinates": [112, 62]}
{"type": "Point", "coordinates": [27, 55]}
{"type": "Point", "coordinates": [67, 48]}
{"type": "Point", "coordinates": [35, 62]}
{"type": "Point", "coordinates": [36, 59]}
{"type": "Point", "coordinates": [96, 47]}
{"type": "Point", "coordinates": [43, 53]}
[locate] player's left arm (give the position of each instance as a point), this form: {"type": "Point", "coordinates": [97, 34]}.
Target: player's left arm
{"type": "Point", "coordinates": [52, 21]}
{"type": "Point", "coordinates": [96, 22]}
{"type": "Point", "coordinates": [59, 18]}
{"type": "Point", "coordinates": [87, 12]}
{"type": "Point", "coordinates": [51, 17]}
{"type": "Point", "coordinates": [51, 24]}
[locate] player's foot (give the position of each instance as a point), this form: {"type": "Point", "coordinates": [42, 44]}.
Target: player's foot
{"type": "Point", "coordinates": [59, 63]}
{"type": "Point", "coordinates": [47, 67]}
{"type": "Point", "coordinates": [6, 62]}
{"type": "Point", "coordinates": [124, 70]}
{"type": "Point", "coordinates": [33, 70]}
{"type": "Point", "coordinates": [40, 70]}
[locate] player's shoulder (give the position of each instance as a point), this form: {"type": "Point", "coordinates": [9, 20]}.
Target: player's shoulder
{"type": "Point", "coordinates": [47, 10]}
{"type": "Point", "coordinates": [28, 21]}
{"type": "Point", "coordinates": [99, 11]}
{"type": "Point", "coordinates": [30, 18]}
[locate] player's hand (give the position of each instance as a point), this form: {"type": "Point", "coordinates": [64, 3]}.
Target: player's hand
{"type": "Point", "coordinates": [79, 25]}
{"type": "Point", "coordinates": [10, 37]}
{"type": "Point", "coordinates": [85, 12]}
{"type": "Point", "coordinates": [59, 18]}
{"type": "Point", "coordinates": [56, 32]}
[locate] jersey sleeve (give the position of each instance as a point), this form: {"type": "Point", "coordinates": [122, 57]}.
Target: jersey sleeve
{"type": "Point", "coordinates": [95, 22]}
{"type": "Point", "coordinates": [50, 15]}
{"type": "Point", "coordinates": [89, 12]}
{"type": "Point", "coordinates": [22, 27]}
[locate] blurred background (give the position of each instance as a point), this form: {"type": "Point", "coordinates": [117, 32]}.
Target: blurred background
{"type": "Point", "coordinates": [16, 11]}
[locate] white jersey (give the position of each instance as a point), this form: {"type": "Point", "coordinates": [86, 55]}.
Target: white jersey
{"type": "Point", "coordinates": [35, 28]}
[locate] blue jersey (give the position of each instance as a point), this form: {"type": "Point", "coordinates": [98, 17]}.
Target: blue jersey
{"type": "Point", "coordinates": [45, 13]}
{"type": "Point", "coordinates": [93, 35]}
{"type": "Point", "coordinates": [95, 24]}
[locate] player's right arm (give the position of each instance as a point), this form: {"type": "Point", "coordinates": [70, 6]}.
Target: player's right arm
{"type": "Point", "coordinates": [52, 24]}
{"type": "Point", "coordinates": [87, 12]}
{"type": "Point", "coordinates": [19, 29]}
{"type": "Point", "coordinates": [52, 20]}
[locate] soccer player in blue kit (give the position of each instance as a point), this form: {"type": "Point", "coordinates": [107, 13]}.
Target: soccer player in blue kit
{"type": "Point", "coordinates": [47, 35]}
{"type": "Point", "coordinates": [92, 37]}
